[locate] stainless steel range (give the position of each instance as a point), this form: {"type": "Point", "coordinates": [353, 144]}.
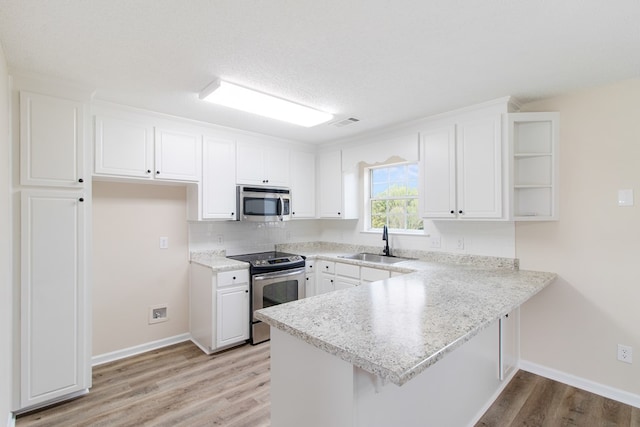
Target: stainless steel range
{"type": "Point", "coordinates": [276, 278]}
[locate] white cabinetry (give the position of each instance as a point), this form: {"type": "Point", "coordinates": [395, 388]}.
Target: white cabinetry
{"type": "Point", "coordinates": [218, 189]}
{"type": "Point", "coordinates": [178, 155]}
{"type": "Point", "coordinates": [125, 147]}
{"type": "Point", "coordinates": [303, 184]}
{"type": "Point", "coordinates": [509, 355]}
{"type": "Point", "coordinates": [338, 275]}
{"type": "Point", "coordinates": [218, 307]}
{"type": "Point", "coordinates": [51, 141]}
{"type": "Point", "coordinates": [258, 164]}
{"type": "Point", "coordinates": [310, 278]}
{"type": "Point", "coordinates": [337, 192]}
{"type": "Point", "coordinates": [462, 170]}
{"type": "Point", "coordinates": [533, 139]}
{"type": "Point", "coordinates": [233, 308]}
{"type": "Point", "coordinates": [54, 307]}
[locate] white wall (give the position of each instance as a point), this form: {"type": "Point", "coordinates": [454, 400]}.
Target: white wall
{"type": "Point", "coordinates": [130, 272]}
{"type": "Point", "coordinates": [6, 257]}
{"type": "Point", "coordinates": [575, 324]}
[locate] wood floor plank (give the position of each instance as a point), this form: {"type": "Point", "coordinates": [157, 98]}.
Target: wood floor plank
{"type": "Point", "coordinates": [181, 386]}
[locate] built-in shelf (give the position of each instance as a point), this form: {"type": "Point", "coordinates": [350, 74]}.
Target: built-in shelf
{"type": "Point", "coordinates": [534, 168]}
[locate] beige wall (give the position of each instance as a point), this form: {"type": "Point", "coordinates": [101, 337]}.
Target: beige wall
{"type": "Point", "coordinates": [6, 257]}
{"type": "Point", "coordinates": [575, 324]}
{"type": "Point", "coordinates": [130, 272]}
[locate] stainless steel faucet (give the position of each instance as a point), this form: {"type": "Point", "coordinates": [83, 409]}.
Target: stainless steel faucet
{"type": "Point", "coordinates": [385, 236]}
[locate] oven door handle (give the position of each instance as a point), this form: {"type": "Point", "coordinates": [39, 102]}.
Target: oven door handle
{"type": "Point", "coordinates": [279, 274]}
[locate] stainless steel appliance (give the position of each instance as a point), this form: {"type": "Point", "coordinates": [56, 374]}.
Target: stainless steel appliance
{"type": "Point", "coordinates": [276, 278]}
{"type": "Point", "coordinates": [263, 204]}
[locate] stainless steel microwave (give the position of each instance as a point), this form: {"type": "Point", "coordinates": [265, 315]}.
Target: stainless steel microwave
{"type": "Point", "coordinates": [263, 204]}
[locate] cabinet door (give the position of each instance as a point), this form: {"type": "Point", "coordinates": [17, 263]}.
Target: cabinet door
{"type": "Point", "coordinates": [277, 166]}
{"type": "Point", "coordinates": [326, 284]}
{"type": "Point", "coordinates": [479, 168]}
{"type": "Point", "coordinates": [233, 315]}
{"type": "Point", "coordinates": [250, 161]}
{"type": "Point", "coordinates": [55, 358]}
{"type": "Point", "coordinates": [345, 283]}
{"type": "Point", "coordinates": [330, 184]}
{"type": "Point", "coordinates": [218, 179]}
{"type": "Point", "coordinates": [303, 184]}
{"type": "Point", "coordinates": [178, 155]}
{"type": "Point", "coordinates": [310, 285]}
{"type": "Point", "coordinates": [509, 343]}
{"type": "Point", "coordinates": [51, 141]}
{"type": "Point", "coordinates": [438, 173]}
{"type": "Point", "coordinates": [123, 147]}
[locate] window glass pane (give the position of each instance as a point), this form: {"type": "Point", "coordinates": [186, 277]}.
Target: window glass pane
{"type": "Point", "coordinates": [380, 175]}
{"type": "Point", "coordinates": [394, 192]}
{"type": "Point", "coordinates": [379, 189]}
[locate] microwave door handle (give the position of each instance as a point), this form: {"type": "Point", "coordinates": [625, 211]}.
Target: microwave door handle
{"type": "Point", "coordinates": [280, 207]}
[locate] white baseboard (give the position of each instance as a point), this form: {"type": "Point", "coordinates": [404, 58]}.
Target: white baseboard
{"type": "Point", "coordinates": [581, 383]}
{"type": "Point", "coordinates": [132, 351]}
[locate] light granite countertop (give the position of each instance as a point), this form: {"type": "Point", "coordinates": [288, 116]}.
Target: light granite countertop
{"type": "Point", "coordinates": [216, 260]}
{"type": "Point", "coordinates": [398, 327]}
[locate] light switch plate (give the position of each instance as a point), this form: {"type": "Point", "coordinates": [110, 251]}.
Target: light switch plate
{"type": "Point", "coordinates": [625, 197]}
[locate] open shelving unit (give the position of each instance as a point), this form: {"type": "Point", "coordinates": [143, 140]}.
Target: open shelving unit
{"type": "Point", "coordinates": [534, 147]}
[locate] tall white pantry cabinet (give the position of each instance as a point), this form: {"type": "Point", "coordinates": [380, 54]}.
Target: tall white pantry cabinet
{"type": "Point", "coordinates": [54, 187]}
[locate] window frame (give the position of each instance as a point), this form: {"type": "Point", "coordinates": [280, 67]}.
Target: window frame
{"type": "Point", "coordinates": [368, 187]}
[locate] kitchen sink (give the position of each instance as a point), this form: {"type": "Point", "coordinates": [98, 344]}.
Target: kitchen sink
{"type": "Point", "coordinates": [381, 259]}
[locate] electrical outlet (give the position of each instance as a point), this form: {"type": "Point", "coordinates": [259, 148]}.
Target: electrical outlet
{"type": "Point", "coordinates": [164, 243]}
{"type": "Point", "coordinates": [435, 241]}
{"type": "Point", "coordinates": [460, 243]}
{"type": "Point", "coordinates": [220, 239]}
{"type": "Point", "coordinates": [625, 353]}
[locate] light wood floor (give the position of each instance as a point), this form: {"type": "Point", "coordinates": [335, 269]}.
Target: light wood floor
{"type": "Point", "coordinates": [181, 386]}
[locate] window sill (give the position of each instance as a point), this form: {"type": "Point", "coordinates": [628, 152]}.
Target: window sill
{"type": "Point", "coordinates": [418, 233]}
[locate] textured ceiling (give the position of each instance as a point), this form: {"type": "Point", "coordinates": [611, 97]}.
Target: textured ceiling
{"type": "Point", "coordinates": [382, 61]}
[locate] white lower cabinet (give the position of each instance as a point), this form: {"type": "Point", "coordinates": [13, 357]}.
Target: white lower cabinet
{"type": "Point", "coordinates": [218, 307]}
{"type": "Point", "coordinates": [310, 279]}
{"type": "Point", "coordinates": [333, 276]}
{"type": "Point", "coordinates": [54, 309]}
{"type": "Point", "coordinates": [509, 327]}
{"type": "Point", "coordinates": [233, 315]}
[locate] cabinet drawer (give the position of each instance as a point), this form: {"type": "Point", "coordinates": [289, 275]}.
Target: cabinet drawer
{"type": "Point", "coordinates": [373, 274]}
{"type": "Point", "coordinates": [327, 266]}
{"type": "Point", "coordinates": [226, 278]}
{"type": "Point", "coordinates": [348, 270]}
{"type": "Point", "coordinates": [310, 266]}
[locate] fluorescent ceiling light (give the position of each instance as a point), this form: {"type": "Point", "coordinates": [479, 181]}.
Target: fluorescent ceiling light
{"type": "Point", "coordinates": [233, 96]}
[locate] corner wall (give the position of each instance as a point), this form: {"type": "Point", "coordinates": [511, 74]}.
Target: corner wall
{"type": "Point", "coordinates": [130, 271]}
{"type": "Point", "coordinates": [575, 324]}
{"type": "Point", "coordinates": [6, 256]}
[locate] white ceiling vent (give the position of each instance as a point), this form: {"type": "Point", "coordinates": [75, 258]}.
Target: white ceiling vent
{"type": "Point", "coordinates": [344, 122]}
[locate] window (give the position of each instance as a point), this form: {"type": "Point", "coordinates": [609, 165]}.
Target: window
{"type": "Point", "coordinates": [393, 197]}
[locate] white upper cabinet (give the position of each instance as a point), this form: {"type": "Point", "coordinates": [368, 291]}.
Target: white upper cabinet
{"type": "Point", "coordinates": [178, 155]}
{"type": "Point", "coordinates": [51, 141]}
{"type": "Point", "coordinates": [337, 192]}
{"type": "Point", "coordinates": [218, 178]}
{"type": "Point", "coordinates": [303, 184]}
{"type": "Point", "coordinates": [462, 170]}
{"type": "Point", "coordinates": [533, 139]}
{"type": "Point", "coordinates": [123, 147]}
{"type": "Point", "coordinates": [259, 164]}
{"type": "Point", "coordinates": [127, 145]}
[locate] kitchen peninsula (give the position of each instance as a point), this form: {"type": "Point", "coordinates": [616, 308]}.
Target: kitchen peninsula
{"type": "Point", "coordinates": [408, 350]}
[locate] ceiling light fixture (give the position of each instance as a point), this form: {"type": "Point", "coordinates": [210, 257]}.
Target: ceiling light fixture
{"type": "Point", "coordinates": [238, 97]}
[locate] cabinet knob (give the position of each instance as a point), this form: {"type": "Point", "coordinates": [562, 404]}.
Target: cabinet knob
{"type": "Point", "coordinates": [293, 213]}
{"type": "Point", "coordinates": [460, 212]}
{"type": "Point", "coordinates": [148, 170]}
{"type": "Point", "coordinates": [81, 199]}
{"type": "Point", "coordinates": [338, 213]}
{"type": "Point", "coordinates": [453, 212]}
{"type": "Point", "coordinates": [81, 180]}
{"type": "Point", "coordinates": [157, 172]}
{"type": "Point", "coordinates": [331, 280]}
{"type": "Point", "coordinates": [307, 279]}
{"type": "Point", "coordinates": [246, 292]}
{"type": "Point", "coordinates": [234, 277]}
{"type": "Point", "coordinates": [231, 213]}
